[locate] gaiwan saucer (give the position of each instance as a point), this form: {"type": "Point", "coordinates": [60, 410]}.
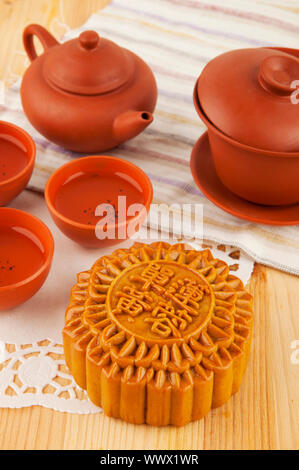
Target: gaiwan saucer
{"type": "Point", "coordinates": [205, 176]}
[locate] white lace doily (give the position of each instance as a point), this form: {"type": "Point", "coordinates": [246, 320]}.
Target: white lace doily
{"type": "Point", "coordinates": [32, 367]}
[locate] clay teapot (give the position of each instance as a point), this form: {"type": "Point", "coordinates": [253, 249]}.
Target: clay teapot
{"type": "Point", "coordinates": [87, 94]}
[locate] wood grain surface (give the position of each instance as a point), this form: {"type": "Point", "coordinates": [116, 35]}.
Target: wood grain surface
{"type": "Point", "coordinates": [263, 415]}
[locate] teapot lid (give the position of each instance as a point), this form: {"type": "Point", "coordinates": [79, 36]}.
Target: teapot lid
{"type": "Point", "coordinates": [88, 65]}
{"type": "Point", "coordinates": [248, 94]}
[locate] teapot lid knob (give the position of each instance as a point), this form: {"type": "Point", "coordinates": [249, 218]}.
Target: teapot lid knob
{"type": "Point", "coordinates": [89, 39]}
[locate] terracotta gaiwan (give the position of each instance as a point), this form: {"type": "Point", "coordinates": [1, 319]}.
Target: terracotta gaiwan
{"type": "Point", "coordinates": [248, 100]}
{"type": "Point", "coordinates": [88, 94]}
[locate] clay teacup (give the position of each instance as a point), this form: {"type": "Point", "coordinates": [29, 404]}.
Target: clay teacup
{"type": "Point", "coordinates": [17, 156]}
{"type": "Point", "coordinates": [26, 252]}
{"type": "Point", "coordinates": [99, 200]}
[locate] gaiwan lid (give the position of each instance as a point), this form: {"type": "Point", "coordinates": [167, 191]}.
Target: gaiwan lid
{"type": "Point", "coordinates": [250, 95]}
{"type": "Point", "coordinates": [88, 65]}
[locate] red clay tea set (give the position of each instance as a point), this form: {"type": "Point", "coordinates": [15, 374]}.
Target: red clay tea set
{"type": "Point", "coordinates": [168, 326]}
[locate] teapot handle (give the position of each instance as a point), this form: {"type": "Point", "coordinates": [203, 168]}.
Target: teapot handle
{"type": "Point", "coordinates": [43, 35]}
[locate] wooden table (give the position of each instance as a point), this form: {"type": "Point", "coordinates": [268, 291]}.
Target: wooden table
{"type": "Point", "coordinates": [264, 415]}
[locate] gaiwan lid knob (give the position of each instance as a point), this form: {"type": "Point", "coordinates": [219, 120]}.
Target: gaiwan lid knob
{"type": "Point", "coordinates": [88, 65]}
{"type": "Point", "coordinates": [249, 95]}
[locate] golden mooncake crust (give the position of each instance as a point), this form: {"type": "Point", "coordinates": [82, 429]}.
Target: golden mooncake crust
{"type": "Point", "coordinates": [158, 333]}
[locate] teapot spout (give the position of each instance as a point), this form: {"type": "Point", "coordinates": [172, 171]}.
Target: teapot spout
{"type": "Point", "coordinates": [131, 123]}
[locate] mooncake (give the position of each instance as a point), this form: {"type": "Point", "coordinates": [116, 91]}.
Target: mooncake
{"type": "Point", "coordinates": [158, 333]}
